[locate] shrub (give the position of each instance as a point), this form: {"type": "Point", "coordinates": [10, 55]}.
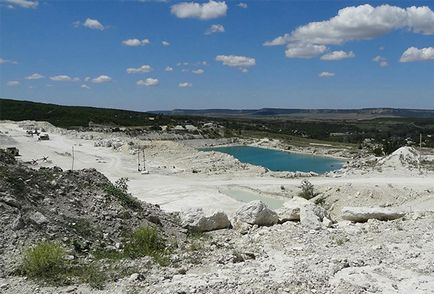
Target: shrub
{"type": "Point", "coordinates": [120, 191]}
{"type": "Point", "coordinates": [145, 241]}
{"type": "Point", "coordinates": [45, 260]}
{"type": "Point", "coordinates": [307, 190]}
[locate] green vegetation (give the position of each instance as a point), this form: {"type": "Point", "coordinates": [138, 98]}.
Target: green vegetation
{"type": "Point", "coordinates": [390, 128]}
{"type": "Point", "coordinates": [45, 260]}
{"type": "Point", "coordinates": [146, 241]}
{"type": "Point", "coordinates": [307, 190]}
{"type": "Point", "coordinates": [120, 191]}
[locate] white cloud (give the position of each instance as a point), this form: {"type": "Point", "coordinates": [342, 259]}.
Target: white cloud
{"type": "Point", "coordinates": [242, 5]}
{"type": "Point", "coordinates": [4, 61]}
{"type": "Point", "coordinates": [84, 86]}
{"type": "Point", "coordinates": [165, 43]}
{"type": "Point", "coordinates": [23, 3]}
{"type": "Point", "coordinates": [136, 42]}
{"type": "Point", "coordinates": [93, 24]}
{"type": "Point", "coordinates": [210, 10]}
{"type": "Point", "coordinates": [13, 83]}
{"type": "Point", "coordinates": [168, 68]}
{"type": "Point", "coordinates": [142, 69]}
{"type": "Point", "coordinates": [338, 55]}
{"type": "Point", "coordinates": [298, 50]}
{"type": "Point", "coordinates": [215, 28]}
{"type": "Point", "coordinates": [185, 85]}
{"type": "Point", "coordinates": [86, 79]}
{"type": "Point", "coordinates": [415, 54]}
{"type": "Point", "coordinates": [149, 82]}
{"type": "Point", "coordinates": [358, 23]}
{"type": "Point", "coordinates": [326, 74]}
{"type": "Point", "coordinates": [236, 61]}
{"type": "Point", "coordinates": [35, 76]}
{"type": "Point", "coordinates": [101, 79]}
{"type": "Point", "coordinates": [64, 78]}
{"type": "Point", "coordinates": [281, 40]}
{"type": "Point", "coordinates": [198, 71]}
{"type": "Point", "coordinates": [380, 60]}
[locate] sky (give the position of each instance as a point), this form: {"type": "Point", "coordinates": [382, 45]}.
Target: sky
{"type": "Point", "coordinates": [161, 55]}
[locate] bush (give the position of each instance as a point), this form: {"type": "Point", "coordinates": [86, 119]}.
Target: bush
{"type": "Point", "coordinates": [145, 241]}
{"type": "Point", "coordinates": [45, 260]}
{"type": "Point", "coordinates": [307, 190]}
{"type": "Point", "coordinates": [120, 191]}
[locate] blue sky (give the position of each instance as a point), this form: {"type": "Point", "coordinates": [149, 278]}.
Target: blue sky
{"type": "Point", "coordinates": [330, 54]}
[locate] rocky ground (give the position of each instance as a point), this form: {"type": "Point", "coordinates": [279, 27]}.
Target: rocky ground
{"type": "Point", "coordinates": [308, 246]}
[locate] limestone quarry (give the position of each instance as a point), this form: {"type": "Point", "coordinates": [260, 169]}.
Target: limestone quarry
{"type": "Point", "coordinates": [368, 228]}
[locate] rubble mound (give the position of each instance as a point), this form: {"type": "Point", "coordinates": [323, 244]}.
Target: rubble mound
{"type": "Point", "coordinates": [402, 157]}
{"type": "Point", "coordinates": [79, 208]}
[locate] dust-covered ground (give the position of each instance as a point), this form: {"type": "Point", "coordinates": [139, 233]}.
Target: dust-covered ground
{"type": "Point", "coordinates": [372, 257]}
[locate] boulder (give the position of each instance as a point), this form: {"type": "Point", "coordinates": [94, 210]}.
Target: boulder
{"type": "Point", "coordinates": [312, 216]}
{"type": "Point", "coordinates": [38, 218]}
{"type": "Point", "coordinates": [291, 209]}
{"type": "Point", "coordinates": [256, 213]}
{"type": "Point", "coordinates": [197, 220]}
{"type": "Point", "coordinates": [363, 214]}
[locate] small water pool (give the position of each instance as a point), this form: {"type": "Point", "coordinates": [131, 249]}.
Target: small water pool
{"type": "Point", "coordinates": [276, 160]}
{"type": "Point", "coordinates": [244, 195]}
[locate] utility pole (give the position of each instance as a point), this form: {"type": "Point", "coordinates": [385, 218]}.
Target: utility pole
{"type": "Point", "coordinates": [138, 160]}
{"type": "Point", "coordinates": [420, 141]}
{"type": "Point", "coordinates": [144, 160]}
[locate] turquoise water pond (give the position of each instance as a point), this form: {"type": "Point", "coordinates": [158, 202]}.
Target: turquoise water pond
{"type": "Point", "coordinates": [279, 160]}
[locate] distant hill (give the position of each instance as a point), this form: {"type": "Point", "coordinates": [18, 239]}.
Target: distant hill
{"type": "Point", "coordinates": [80, 116]}
{"type": "Point", "coordinates": [70, 116]}
{"type": "Point", "coordinates": [365, 113]}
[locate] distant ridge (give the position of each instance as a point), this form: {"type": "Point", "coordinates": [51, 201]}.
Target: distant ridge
{"type": "Point", "coordinates": [297, 112]}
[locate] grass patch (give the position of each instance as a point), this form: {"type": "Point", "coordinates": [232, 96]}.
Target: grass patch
{"type": "Point", "coordinates": [45, 260]}
{"type": "Point", "coordinates": [146, 241]}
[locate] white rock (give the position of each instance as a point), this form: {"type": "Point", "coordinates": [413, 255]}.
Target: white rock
{"type": "Point", "coordinates": [363, 214]}
{"type": "Point", "coordinates": [311, 216]}
{"type": "Point", "coordinates": [38, 218]}
{"type": "Point", "coordinates": [291, 209]}
{"type": "Point", "coordinates": [197, 220]}
{"type": "Point", "coordinates": [256, 213]}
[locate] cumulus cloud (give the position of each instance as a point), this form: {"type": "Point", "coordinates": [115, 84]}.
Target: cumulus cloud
{"type": "Point", "coordinates": [278, 41]}
{"type": "Point", "coordinates": [382, 61]}
{"type": "Point", "coordinates": [4, 61]}
{"type": "Point", "coordinates": [165, 43]}
{"type": "Point", "coordinates": [215, 28]}
{"type": "Point", "coordinates": [415, 54]}
{"type": "Point", "coordinates": [22, 3]}
{"type": "Point", "coordinates": [93, 24]}
{"type": "Point", "coordinates": [242, 5]}
{"type": "Point", "coordinates": [198, 71]}
{"type": "Point", "coordinates": [210, 10]}
{"type": "Point", "coordinates": [64, 78]}
{"type": "Point", "coordinates": [185, 85]}
{"type": "Point", "coordinates": [35, 76]}
{"type": "Point", "coordinates": [168, 68]}
{"type": "Point", "coordinates": [136, 42]}
{"type": "Point", "coordinates": [13, 83]}
{"type": "Point", "coordinates": [358, 23]}
{"type": "Point", "coordinates": [84, 86]}
{"type": "Point", "coordinates": [338, 55]}
{"type": "Point", "coordinates": [298, 50]}
{"type": "Point", "coordinates": [236, 61]}
{"type": "Point", "coordinates": [101, 79]}
{"type": "Point", "coordinates": [326, 74]}
{"type": "Point", "coordinates": [142, 69]}
{"type": "Point", "coordinates": [149, 82]}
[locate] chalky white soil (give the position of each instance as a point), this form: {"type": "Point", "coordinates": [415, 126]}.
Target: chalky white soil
{"type": "Point", "coordinates": [373, 257]}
